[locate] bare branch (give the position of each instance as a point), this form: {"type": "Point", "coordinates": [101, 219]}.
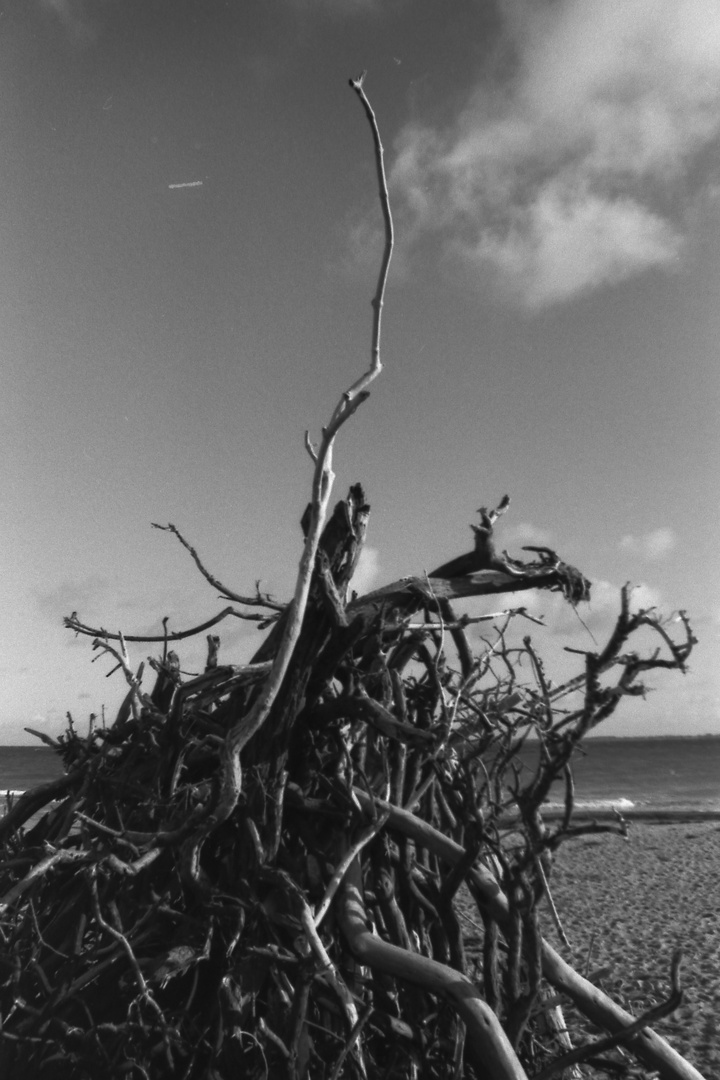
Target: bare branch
{"type": "Point", "coordinates": [378, 299]}
{"type": "Point", "coordinates": [53, 858]}
{"type": "Point", "coordinates": [323, 478]}
{"type": "Point", "coordinates": [608, 1042]}
{"type": "Point", "coordinates": [341, 869]}
{"type": "Point", "coordinates": [259, 600]}
{"type": "Point", "coordinates": [73, 623]}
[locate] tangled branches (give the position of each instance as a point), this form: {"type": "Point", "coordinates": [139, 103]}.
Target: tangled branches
{"type": "Point", "coordinates": [265, 870]}
{"type": "Point", "coordinates": [316, 930]}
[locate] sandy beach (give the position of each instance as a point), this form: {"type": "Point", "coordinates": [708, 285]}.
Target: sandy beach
{"type": "Point", "coordinates": [626, 905]}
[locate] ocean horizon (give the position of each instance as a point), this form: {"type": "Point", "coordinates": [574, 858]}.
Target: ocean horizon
{"type": "Point", "coordinates": [664, 773]}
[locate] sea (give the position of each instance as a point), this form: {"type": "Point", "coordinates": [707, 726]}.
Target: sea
{"type": "Point", "coordinates": [642, 776]}
{"type": "Point", "coordinates": [635, 775]}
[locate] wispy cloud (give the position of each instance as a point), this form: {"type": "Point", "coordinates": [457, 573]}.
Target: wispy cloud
{"type": "Point", "coordinates": [655, 544]}
{"type": "Point", "coordinates": [576, 167]}
{"type": "Point", "coordinates": [75, 18]}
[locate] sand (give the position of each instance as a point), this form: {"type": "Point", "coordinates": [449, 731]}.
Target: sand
{"type": "Point", "coordinates": [627, 905]}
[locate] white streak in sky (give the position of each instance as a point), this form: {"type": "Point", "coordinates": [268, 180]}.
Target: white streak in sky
{"type": "Point", "coordinates": [191, 183]}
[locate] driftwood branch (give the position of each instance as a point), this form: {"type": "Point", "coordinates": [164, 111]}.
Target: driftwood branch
{"type": "Point", "coordinates": [411, 594]}
{"type": "Point", "coordinates": [259, 600]}
{"type": "Point", "coordinates": [72, 622]}
{"type": "Point", "coordinates": [622, 1037]}
{"type": "Point", "coordinates": [250, 723]}
{"type": "Point", "coordinates": [485, 1032]}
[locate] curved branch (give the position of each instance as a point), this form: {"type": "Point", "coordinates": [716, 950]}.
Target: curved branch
{"type": "Point", "coordinates": [377, 302]}
{"type": "Point", "coordinates": [53, 858]}
{"type": "Point", "coordinates": [323, 479]}
{"type": "Point", "coordinates": [484, 1030]}
{"type": "Point", "coordinates": [646, 1045]}
{"type": "Point", "coordinates": [73, 623]}
{"type": "Point", "coordinates": [257, 601]}
{"type": "Point", "coordinates": [608, 1042]}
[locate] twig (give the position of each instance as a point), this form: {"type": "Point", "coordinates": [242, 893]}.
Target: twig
{"type": "Point", "coordinates": [270, 1034]}
{"type": "Point", "coordinates": [551, 903]}
{"type": "Point", "coordinates": [377, 302]}
{"type": "Point", "coordinates": [351, 1040]}
{"type": "Point", "coordinates": [342, 867]}
{"type": "Point", "coordinates": [128, 949]}
{"type": "Point", "coordinates": [73, 623]}
{"type": "Point", "coordinates": [259, 600]}
{"type": "Point", "coordinates": [326, 964]}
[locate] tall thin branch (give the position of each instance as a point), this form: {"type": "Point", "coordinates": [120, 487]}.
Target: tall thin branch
{"type": "Point", "coordinates": [323, 478]}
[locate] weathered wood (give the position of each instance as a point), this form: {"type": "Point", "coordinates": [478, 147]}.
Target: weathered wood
{"type": "Point", "coordinates": [146, 859]}
{"type": "Point", "coordinates": [485, 1033]}
{"type": "Point", "coordinates": [408, 595]}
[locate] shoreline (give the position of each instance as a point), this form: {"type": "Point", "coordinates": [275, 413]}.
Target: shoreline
{"type": "Point", "coordinates": [644, 814]}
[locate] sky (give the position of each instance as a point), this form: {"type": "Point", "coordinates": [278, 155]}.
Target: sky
{"type": "Point", "coordinates": [189, 241]}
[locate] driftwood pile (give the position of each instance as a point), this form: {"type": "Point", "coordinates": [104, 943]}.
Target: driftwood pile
{"type": "Point", "coordinates": [317, 927]}
{"type": "Point", "coordinates": [267, 870]}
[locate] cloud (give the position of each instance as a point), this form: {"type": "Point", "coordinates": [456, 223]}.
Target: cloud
{"type": "Point", "coordinates": [575, 625]}
{"type": "Point", "coordinates": [655, 544]}
{"type": "Point", "coordinates": [74, 17]}
{"type": "Point", "coordinates": [576, 166]}
{"type": "Point", "coordinates": [516, 536]}
{"type": "Point", "coordinates": [605, 599]}
{"type": "Point", "coordinates": [367, 572]}
{"type": "Point", "coordinates": [586, 628]}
